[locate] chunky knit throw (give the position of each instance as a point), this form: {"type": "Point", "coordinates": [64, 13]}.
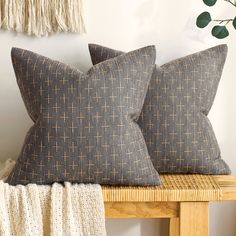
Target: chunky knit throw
{"type": "Point", "coordinates": [57, 210]}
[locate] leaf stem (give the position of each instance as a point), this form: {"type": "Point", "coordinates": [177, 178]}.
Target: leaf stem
{"type": "Point", "coordinates": [221, 21]}
{"type": "Point", "coordinates": [230, 2]}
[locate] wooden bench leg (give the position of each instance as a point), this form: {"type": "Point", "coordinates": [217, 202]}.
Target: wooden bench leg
{"type": "Point", "coordinates": [194, 219]}
{"type": "Point", "coordinates": [174, 227]}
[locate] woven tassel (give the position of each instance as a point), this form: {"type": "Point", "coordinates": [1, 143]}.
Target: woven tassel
{"type": "Point", "coordinates": [4, 14]}
{"type": "Point", "coordinates": [18, 18]}
{"type": "Point", "coordinates": [42, 17]}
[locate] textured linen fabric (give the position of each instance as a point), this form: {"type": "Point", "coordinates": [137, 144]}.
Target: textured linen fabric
{"type": "Point", "coordinates": [75, 210]}
{"type": "Point", "coordinates": [179, 136]}
{"type": "Point", "coordinates": [85, 128]}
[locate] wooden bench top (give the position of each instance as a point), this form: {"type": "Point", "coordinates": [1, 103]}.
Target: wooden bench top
{"type": "Point", "coordinates": [177, 188]}
{"type": "Point", "coordinates": [184, 199]}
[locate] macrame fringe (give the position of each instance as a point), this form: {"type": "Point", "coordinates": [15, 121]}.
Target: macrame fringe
{"type": "Point", "coordinates": [42, 17]}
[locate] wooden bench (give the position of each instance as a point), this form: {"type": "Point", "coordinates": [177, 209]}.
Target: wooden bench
{"type": "Point", "coordinates": [182, 198]}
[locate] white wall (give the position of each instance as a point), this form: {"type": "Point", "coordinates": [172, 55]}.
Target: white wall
{"type": "Point", "coordinates": [126, 25]}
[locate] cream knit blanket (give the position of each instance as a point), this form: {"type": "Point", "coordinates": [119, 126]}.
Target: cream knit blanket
{"type": "Point", "coordinates": [37, 210]}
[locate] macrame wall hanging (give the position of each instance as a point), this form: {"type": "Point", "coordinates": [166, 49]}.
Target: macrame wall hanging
{"type": "Point", "coordinates": [42, 17]}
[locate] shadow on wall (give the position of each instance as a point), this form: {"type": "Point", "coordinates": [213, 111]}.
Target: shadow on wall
{"type": "Point", "coordinates": [153, 26]}
{"type": "Point", "coordinates": [174, 37]}
{"type": "Point", "coordinates": [147, 16]}
{"type": "Point", "coordinates": [14, 130]}
{"type": "Point", "coordinates": [158, 227]}
{"type": "Point", "coordinates": [141, 227]}
{"type": "Point", "coordinates": [223, 215]}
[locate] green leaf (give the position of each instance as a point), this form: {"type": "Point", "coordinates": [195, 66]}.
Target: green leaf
{"type": "Point", "coordinates": [234, 22]}
{"type": "Point", "coordinates": [220, 32]}
{"type": "Point", "coordinates": [210, 2]}
{"type": "Point", "coordinates": [203, 19]}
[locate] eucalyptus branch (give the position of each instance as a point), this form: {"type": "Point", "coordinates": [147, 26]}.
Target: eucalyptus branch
{"type": "Point", "coordinates": [230, 2]}
{"type": "Point", "coordinates": [219, 29]}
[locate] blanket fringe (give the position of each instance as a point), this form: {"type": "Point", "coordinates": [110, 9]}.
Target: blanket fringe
{"type": "Point", "coordinates": [42, 17]}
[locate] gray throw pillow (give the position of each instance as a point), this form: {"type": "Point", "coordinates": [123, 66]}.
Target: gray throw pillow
{"type": "Point", "coordinates": [85, 126]}
{"type": "Point", "coordinates": [174, 121]}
